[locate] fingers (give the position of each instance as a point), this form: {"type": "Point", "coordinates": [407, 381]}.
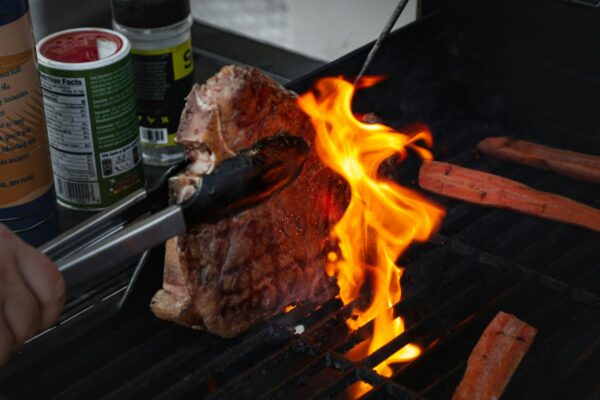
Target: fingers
{"type": "Point", "coordinates": [43, 279]}
{"type": "Point", "coordinates": [31, 292]}
{"type": "Point", "coordinates": [20, 306]}
{"type": "Point", "coordinates": [46, 283]}
{"type": "Point", "coordinates": [7, 342]}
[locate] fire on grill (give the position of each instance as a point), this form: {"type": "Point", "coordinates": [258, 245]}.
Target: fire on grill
{"type": "Point", "coordinates": [227, 276]}
{"type": "Point", "coordinates": [381, 220]}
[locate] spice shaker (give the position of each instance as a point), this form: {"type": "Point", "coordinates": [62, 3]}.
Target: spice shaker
{"type": "Point", "coordinates": [159, 31]}
{"type": "Point", "coordinates": [87, 84]}
{"type": "Point", "coordinates": [27, 200]}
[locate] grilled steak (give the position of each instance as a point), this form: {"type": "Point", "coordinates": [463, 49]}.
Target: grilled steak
{"type": "Point", "coordinates": [225, 277]}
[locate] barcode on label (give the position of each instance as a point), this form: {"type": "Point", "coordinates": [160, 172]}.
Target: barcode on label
{"type": "Point", "coordinates": [157, 136]}
{"type": "Point", "coordinates": [77, 192]}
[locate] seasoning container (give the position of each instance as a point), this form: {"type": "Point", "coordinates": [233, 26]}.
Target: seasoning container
{"type": "Point", "coordinates": [27, 201]}
{"type": "Point", "coordinates": [159, 31]}
{"type": "Point", "coordinates": [87, 84]}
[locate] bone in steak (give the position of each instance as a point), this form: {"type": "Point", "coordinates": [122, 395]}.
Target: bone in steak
{"type": "Point", "coordinates": [224, 277]}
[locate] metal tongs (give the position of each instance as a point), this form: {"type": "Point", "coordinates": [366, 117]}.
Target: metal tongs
{"type": "Point", "coordinates": [239, 183]}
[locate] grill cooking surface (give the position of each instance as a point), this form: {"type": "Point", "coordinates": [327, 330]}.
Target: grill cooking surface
{"type": "Point", "coordinates": [446, 72]}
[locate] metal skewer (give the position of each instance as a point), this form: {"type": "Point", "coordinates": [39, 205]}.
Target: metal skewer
{"type": "Point", "coordinates": [382, 36]}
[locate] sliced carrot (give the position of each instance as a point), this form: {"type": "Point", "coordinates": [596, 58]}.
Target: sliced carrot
{"type": "Point", "coordinates": [495, 191]}
{"type": "Point", "coordinates": [584, 167]}
{"type": "Point", "coordinates": [495, 358]}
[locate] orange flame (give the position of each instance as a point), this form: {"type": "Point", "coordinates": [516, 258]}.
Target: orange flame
{"type": "Point", "coordinates": [289, 308]}
{"type": "Point", "coordinates": [382, 218]}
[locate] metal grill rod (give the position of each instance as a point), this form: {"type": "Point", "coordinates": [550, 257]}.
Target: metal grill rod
{"type": "Point", "coordinates": [382, 36]}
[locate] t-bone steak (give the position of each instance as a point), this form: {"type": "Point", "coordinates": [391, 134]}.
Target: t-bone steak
{"type": "Point", "coordinates": [225, 277]}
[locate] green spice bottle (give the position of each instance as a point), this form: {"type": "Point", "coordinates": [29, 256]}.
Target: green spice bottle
{"type": "Point", "coordinates": [159, 32]}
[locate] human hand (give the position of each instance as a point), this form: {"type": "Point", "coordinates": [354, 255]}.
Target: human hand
{"type": "Point", "coordinates": [32, 292]}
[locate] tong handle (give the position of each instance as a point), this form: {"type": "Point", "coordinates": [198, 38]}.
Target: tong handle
{"type": "Point", "coordinates": [114, 218]}
{"type": "Point", "coordinates": [110, 255]}
{"type": "Point", "coordinates": [102, 224]}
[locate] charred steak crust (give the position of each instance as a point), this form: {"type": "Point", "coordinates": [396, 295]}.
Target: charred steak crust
{"type": "Point", "coordinates": [227, 276]}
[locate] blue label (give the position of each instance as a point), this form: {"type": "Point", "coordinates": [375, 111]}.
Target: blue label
{"type": "Point", "coordinates": [12, 10]}
{"type": "Point", "coordinates": [30, 214]}
{"type": "Point", "coordinates": [35, 222]}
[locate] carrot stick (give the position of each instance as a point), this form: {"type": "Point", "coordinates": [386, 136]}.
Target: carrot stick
{"type": "Point", "coordinates": [579, 166]}
{"type": "Point", "coordinates": [495, 358]}
{"type": "Point", "coordinates": [492, 190]}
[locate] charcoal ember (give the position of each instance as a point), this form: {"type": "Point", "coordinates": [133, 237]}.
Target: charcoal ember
{"type": "Point", "coordinates": [371, 118]}
{"type": "Point", "coordinates": [227, 276]}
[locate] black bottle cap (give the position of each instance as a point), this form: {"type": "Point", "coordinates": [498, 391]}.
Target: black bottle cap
{"type": "Point", "coordinates": [12, 10]}
{"type": "Point", "coordinates": [149, 13]}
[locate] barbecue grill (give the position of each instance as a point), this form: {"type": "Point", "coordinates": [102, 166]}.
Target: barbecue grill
{"type": "Point", "coordinates": [469, 70]}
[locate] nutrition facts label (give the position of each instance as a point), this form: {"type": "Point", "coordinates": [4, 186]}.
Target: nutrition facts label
{"type": "Point", "coordinates": [69, 127]}
{"type": "Point", "coordinates": [70, 137]}
{"type": "Point", "coordinates": [68, 118]}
